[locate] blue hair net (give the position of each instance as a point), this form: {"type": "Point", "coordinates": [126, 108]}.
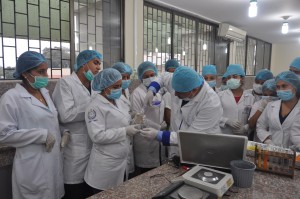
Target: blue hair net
{"type": "Point", "coordinates": [171, 63]}
{"type": "Point", "coordinates": [186, 79]}
{"type": "Point", "coordinates": [86, 56]}
{"type": "Point", "coordinates": [296, 63]}
{"type": "Point", "coordinates": [264, 75]}
{"type": "Point", "coordinates": [209, 70]}
{"type": "Point", "coordinates": [235, 69]}
{"type": "Point", "coordinates": [106, 78]}
{"type": "Point", "coordinates": [290, 78]}
{"type": "Point", "coordinates": [144, 67]}
{"type": "Point", "coordinates": [269, 84]}
{"type": "Point", "coordinates": [122, 68]}
{"type": "Point", "coordinates": [28, 60]}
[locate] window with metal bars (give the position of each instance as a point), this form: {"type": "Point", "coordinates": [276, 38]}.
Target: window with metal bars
{"type": "Point", "coordinates": [36, 25]}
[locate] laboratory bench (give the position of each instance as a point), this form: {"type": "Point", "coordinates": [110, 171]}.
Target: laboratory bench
{"type": "Point", "coordinates": [145, 186]}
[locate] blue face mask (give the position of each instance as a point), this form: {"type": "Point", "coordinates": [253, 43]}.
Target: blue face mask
{"type": "Point", "coordinates": [224, 87]}
{"type": "Point", "coordinates": [39, 82]}
{"type": "Point", "coordinates": [285, 95]}
{"type": "Point", "coordinates": [89, 75]}
{"type": "Point", "coordinates": [125, 84]}
{"type": "Point", "coordinates": [115, 94]}
{"type": "Point", "coordinates": [212, 83]}
{"type": "Point", "coordinates": [233, 83]}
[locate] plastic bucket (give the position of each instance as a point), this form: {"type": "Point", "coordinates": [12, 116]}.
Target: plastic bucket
{"type": "Point", "coordinates": [242, 172]}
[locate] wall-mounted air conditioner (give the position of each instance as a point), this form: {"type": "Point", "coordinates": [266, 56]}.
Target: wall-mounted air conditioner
{"type": "Point", "coordinates": [231, 32]}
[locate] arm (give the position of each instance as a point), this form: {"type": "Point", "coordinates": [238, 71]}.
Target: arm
{"type": "Point", "coordinates": [10, 134]}
{"type": "Point", "coordinates": [63, 99]}
{"type": "Point", "coordinates": [99, 134]}
{"type": "Point", "coordinates": [262, 126]}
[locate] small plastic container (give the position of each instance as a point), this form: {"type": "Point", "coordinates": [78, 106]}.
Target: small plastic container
{"type": "Point", "coordinates": [242, 172]}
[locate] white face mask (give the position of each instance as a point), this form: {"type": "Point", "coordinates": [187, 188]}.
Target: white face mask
{"type": "Point", "coordinates": [233, 83]}
{"type": "Point", "coordinates": [271, 98]}
{"type": "Point", "coordinates": [257, 88]}
{"type": "Point", "coordinates": [188, 98]}
{"type": "Point", "coordinates": [147, 81]}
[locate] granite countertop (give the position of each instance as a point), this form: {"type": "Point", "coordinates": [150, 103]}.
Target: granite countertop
{"type": "Point", "coordinates": [265, 185]}
{"type": "Point", "coordinates": [6, 155]}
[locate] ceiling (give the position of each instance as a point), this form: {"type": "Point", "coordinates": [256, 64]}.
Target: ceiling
{"type": "Point", "coordinates": [265, 26]}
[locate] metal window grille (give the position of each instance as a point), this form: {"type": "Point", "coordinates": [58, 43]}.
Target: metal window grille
{"type": "Point", "coordinates": [37, 25]}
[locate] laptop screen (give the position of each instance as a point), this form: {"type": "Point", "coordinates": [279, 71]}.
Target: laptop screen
{"type": "Point", "coordinates": [214, 150]}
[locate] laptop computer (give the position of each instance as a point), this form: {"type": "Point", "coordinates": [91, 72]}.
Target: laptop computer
{"type": "Point", "coordinates": [212, 150]}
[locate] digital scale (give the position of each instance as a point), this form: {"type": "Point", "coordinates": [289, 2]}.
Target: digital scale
{"type": "Point", "coordinates": [210, 180]}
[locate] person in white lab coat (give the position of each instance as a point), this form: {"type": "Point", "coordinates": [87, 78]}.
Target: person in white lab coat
{"type": "Point", "coordinates": [269, 95]}
{"type": "Point", "coordinates": [126, 72]}
{"type": "Point", "coordinates": [71, 96]}
{"type": "Point", "coordinates": [279, 124]}
{"type": "Point", "coordinates": [261, 76]}
{"type": "Point", "coordinates": [148, 154]}
{"type": "Point", "coordinates": [29, 122]}
{"type": "Point", "coordinates": [209, 72]}
{"type": "Point", "coordinates": [108, 124]}
{"type": "Point", "coordinates": [236, 102]}
{"type": "Point", "coordinates": [195, 106]}
{"type": "Point", "coordinates": [295, 66]}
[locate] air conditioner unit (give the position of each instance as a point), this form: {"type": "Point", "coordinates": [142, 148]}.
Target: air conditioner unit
{"type": "Point", "coordinates": [231, 32]}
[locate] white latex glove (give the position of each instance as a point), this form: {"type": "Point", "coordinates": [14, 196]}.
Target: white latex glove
{"type": "Point", "coordinates": [239, 131]}
{"type": "Point", "coordinates": [263, 104]}
{"type": "Point", "coordinates": [163, 126]}
{"type": "Point", "coordinates": [65, 139]}
{"type": "Point", "coordinates": [235, 124]}
{"type": "Point", "coordinates": [268, 141]}
{"type": "Point", "coordinates": [132, 129]}
{"type": "Point", "coordinates": [50, 141]}
{"type": "Point", "coordinates": [149, 133]}
{"type": "Point", "coordinates": [139, 118]}
{"type": "Point", "coordinates": [149, 98]}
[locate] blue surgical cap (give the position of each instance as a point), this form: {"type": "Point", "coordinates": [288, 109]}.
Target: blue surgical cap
{"type": "Point", "coordinates": [186, 79]}
{"type": "Point", "coordinates": [171, 63]}
{"type": "Point", "coordinates": [106, 78]}
{"type": "Point", "coordinates": [290, 78]}
{"type": "Point", "coordinates": [209, 70]}
{"type": "Point", "coordinates": [269, 84]}
{"type": "Point", "coordinates": [225, 75]}
{"type": "Point", "coordinates": [86, 56]}
{"type": "Point", "coordinates": [235, 69]}
{"type": "Point", "coordinates": [144, 67]}
{"type": "Point", "coordinates": [296, 63]}
{"type": "Point", "coordinates": [28, 60]}
{"type": "Point", "coordinates": [264, 75]}
{"type": "Point", "coordinates": [122, 68]}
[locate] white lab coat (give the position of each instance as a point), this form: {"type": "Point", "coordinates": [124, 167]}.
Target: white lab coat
{"type": "Point", "coordinates": [201, 114]}
{"type": "Point", "coordinates": [106, 127]}
{"type": "Point", "coordinates": [285, 134]}
{"type": "Point", "coordinates": [147, 152]}
{"type": "Point", "coordinates": [130, 161]}
{"type": "Point", "coordinates": [24, 124]}
{"type": "Point", "coordinates": [238, 111]}
{"type": "Point", "coordinates": [71, 98]}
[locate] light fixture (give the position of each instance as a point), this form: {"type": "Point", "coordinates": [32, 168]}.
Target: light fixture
{"type": "Point", "coordinates": [156, 50]}
{"type": "Point", "coordinates": [252, 8]}
{"type": "Point", "coordinates": [285, 25]}
{"type": "Point", "coordinates": [183, 53]}
{"type": "Point", "coordinates": [169, 40]}
{"type": "Point", "coordinates": [204, 47]}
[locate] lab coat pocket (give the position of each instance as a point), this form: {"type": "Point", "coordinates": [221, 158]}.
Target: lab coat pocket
{"type": "Point", "coordinates": [31, 174]}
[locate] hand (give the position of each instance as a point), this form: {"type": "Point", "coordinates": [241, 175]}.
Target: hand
{"type": "Point", "coordinates": [163, 126]}
{"type": "Point", "coordinates": [50, 141]}
{"type": "Point", "coordinates": [132, 129]}
{"type": "Point", "coordinates": [262, 105]}
{"type": "Point", "coordinates": [235, 124]}
{"type": "Point", "coordinates": [268, 141]}
{"type": "Point", "coordinates": [65, 139]}
{"type": "Point", "coordinates": [149, 98]}
{"type": "Point", "coordinates": [139, 118]}
{"type": "Point", "coordinates": [239, 131]}
{"type": "Point", "coordinates": [149, 133]}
